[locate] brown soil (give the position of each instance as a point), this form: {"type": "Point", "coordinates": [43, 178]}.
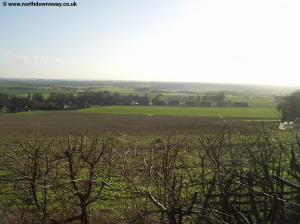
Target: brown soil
{"type": "Point", "coordinates": [59, 123]}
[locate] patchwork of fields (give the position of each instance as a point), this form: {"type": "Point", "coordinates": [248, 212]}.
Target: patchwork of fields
{"type": "Point", "coordinates": [185, 142]}
{"type": "Point", "coordinates": [138, 120]}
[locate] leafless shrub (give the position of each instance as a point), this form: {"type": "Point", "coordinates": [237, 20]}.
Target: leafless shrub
{"type": "Point", "coordinates": [56, 182]}
{"type": "Point", "coordinates": [222, 178]}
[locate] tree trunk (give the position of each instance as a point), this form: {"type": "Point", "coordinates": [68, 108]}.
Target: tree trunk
{"type": "Point", "coordinates": [84, 215]}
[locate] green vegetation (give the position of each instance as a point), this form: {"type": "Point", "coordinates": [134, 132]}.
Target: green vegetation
{"type": "Point", "coordinates": [254, 101]}
{"type": "Point", "coordinates": [145, 164]}
{"type": "Point", "coordinates": [186, 93]}
{"type": "Point", "coordinates": [251, 112]}
{"type": "Point", "coordinates": [290, 107]}
{"type": "Point", "coordinates": [175, 180]}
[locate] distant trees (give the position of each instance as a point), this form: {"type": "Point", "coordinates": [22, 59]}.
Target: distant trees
{"type": "Point", "coordinates": [62, 101]}
{"type": "Point", "coordinates": [217, 97]}
{"type": "Point", "coordinates": [4, 100]}
{"type": "Point", "coordinates": [67, 101]}
{"type": "Point", "coordinates": [290, 107]}
{"type": "Point", "coordinates": [17, 104]}
{"type": "Point", "coordinates": [240, 104]}
{"type": "Point", "coordinates": [211, 99]}
{"type": "Point", "coordinates": [174, 102]}
{"type": "Point", "coordinates": [158, 102]}
{"type": "Point", "coordinates": [38, 98]}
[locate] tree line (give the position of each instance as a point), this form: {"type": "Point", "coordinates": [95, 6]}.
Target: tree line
{"type": "Point", "coordinates": [62, 101]}
{"type": "Point", "coordinates": [67, 101]}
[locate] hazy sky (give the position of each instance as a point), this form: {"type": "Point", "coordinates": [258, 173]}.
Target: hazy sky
{"type": "Point", "coordinates": [235, 41]}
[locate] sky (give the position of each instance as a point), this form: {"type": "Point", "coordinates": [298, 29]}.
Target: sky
{"type": "Point", "coordinates": [222, 41]}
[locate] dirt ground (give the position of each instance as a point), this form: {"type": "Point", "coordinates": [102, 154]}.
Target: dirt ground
{"type": "Point", "coordinates": [60, 123]}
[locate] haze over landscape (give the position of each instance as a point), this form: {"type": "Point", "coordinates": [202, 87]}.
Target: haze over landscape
{"type": "Point", "coordinates": [150, 111]}
{"type": "Point", "coordinates": [219, 41]}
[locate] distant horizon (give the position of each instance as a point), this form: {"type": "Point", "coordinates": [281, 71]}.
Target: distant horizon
{"type": "Point", "coordinates": [155, 81]}
{"type": "Point", "coordinates": [211, 41]}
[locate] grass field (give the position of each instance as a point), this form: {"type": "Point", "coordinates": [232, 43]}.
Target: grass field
{"type": "Point", "coordinates": [250, 112]}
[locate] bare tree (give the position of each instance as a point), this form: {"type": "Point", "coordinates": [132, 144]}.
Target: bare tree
{"type": "Point", "coordinates": [57, 182]}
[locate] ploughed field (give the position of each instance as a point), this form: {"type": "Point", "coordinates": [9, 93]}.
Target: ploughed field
{"type": "Point", "coordinates": [134, 120]}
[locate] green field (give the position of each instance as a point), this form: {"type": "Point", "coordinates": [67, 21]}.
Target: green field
{"type": "Point", "coordinates": [253, 112]}
{"type": "Point", "coordinates": [232, 112]}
